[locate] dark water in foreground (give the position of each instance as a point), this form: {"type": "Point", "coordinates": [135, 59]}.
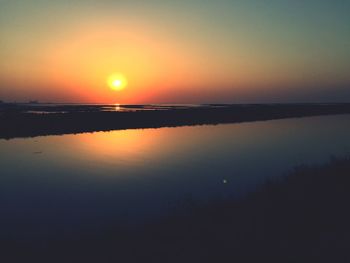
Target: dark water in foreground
{"type": "Point", "coordinates": [56, 184]}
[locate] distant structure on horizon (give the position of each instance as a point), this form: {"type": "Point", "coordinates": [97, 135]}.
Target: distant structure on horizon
{"type": "Point", "coordinates": [33, 102]}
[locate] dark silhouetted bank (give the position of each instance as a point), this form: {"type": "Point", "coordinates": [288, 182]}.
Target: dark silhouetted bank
{"type": "Point", "coordinates": [25, 120]}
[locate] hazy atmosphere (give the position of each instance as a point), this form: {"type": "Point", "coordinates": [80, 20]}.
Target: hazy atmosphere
{"type": "Point", "coordinates": [191, 51]}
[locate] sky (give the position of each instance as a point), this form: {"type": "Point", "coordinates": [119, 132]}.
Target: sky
{"type": "Point", "coordinates": [184, 51]}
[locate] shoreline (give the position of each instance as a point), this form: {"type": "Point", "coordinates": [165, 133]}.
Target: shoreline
{"type": "Point", "coordinates": [16, 124]}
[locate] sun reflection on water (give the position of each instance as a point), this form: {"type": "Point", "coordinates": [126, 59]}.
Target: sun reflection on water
{"type": "Point", "coordinates": [117, 107]}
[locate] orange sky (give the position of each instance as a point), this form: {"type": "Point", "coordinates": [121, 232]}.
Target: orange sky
{"type": "Point", "coordinates": [191, 52]}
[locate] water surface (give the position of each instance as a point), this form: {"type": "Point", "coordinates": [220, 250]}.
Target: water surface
{"type": "Point", "coordinates": [58, 183]}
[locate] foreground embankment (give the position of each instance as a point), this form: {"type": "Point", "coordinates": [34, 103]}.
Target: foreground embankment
{"type": "Point", "coordinates": [303, 217]}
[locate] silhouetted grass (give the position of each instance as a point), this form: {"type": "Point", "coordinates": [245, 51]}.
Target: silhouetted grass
{"type": "Point", "coordinates": [303, 217]}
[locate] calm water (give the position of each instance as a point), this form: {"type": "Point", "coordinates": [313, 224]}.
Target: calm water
{"type": "Point", "coordinates": [58, 183]}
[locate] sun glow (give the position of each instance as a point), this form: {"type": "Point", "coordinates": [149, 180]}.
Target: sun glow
{"type": "Point", "coordinates": [117, 81]}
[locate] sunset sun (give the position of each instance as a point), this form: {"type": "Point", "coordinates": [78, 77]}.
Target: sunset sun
{"type": "Point", "coordinates": [174, 131]}
{"type": "Point", "coordinates": [117, 81]}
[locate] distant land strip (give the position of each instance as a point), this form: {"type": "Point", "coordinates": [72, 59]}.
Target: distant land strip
{"type": "Point", "coordinates": [25, 124]}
